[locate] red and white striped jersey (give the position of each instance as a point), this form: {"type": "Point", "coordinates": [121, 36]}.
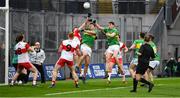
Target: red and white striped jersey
{"type": "Point", "coordinates": [68, 47]}
{"type": "Point", "coordinates": [122, 45]}
{"type": "Point", "coordinates": [77, 33]}
{"type": "Point", "coordinates": [77, 36]}
{"type": "Point", "coordinates": [21, 50]}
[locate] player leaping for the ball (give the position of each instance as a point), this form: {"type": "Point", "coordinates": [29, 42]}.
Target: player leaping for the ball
{"type": "Point", "coordinates": [112, 35]}
{"type": "Point", "coordinates": [77, 38]}
{"type": "Point", "coordinates": [67, 49]}
{"type": "Point", "coordinates": [113, 62]}
{"type": "Point", "coordinates": [76, 30]}
{"type": "Point", "coordinates": [89, 36]}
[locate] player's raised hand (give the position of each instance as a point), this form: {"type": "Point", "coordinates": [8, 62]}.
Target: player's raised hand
{"type": "Point", "coordinates": [94, 21]}
{"type": "Point", "coordinates": [89, 15]}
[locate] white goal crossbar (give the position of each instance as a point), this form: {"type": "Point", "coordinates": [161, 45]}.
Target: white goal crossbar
{"type": "Point", "coordinates": [4, 8]}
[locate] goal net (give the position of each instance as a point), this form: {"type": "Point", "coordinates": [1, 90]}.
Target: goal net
{"type": "Point", "coordinates": [2, 47]}
{"type": "Point", "coordinates": [4, 44]}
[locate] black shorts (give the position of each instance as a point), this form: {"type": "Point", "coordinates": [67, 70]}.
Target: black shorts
{"type": "Point", "coordinates": [151, 68]}
{"type": "Point", "coordinates": [141, 68]}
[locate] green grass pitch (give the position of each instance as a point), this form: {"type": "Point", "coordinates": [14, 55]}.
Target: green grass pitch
{"type": "Point", "coordinates": [164, 87]}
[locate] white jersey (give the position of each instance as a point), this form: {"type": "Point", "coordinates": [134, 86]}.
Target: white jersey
{"type": "Point", "coordinates": [21, 50]}
{"type": "Point", "coordinates": [122, 45]}
{"type": "Point", "coordinates": [68, 48]}
{"type": "Point", "coordinates": [37, 57]}
{"type": "Point", "coordinates": [76, 39]}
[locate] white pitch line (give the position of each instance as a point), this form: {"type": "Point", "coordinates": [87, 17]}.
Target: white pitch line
{"type": "Point", "coordinates": [71, 92]}
{"type": "Point", "coordinates": [61, 93]}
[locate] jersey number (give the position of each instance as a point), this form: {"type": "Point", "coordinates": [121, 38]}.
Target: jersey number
{"type": "Point", "coordinates": [68, 47]}
{"type": "Point", "coordinates": [18, 51]}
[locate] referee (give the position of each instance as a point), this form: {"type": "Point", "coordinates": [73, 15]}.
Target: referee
{"type": "Point", "coordinates": [37, 58]}
{"type": "Point", "coordinates": [144, 55]}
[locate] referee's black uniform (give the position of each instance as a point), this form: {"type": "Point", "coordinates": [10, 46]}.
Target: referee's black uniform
{"type": "Point", "coordinates": [145, 54]}
{"type": "Point", "coordinates": [143, 60]}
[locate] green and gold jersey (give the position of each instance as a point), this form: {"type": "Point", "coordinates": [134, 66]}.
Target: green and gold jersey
{"type": "Point", "coordinates": [87, 27]}
{"type": "Point", "coordinates": [88, 39]}
{"type": "Point", "coordinates": [112, 40]}
{"type": "Point", "coordinates": [157, 56]}
{"type": "Point", "coordinates": [137, 44]}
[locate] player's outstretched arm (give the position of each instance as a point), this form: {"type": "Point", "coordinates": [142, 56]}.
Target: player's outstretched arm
{"type": "Point", "coordinates": [125, 49]}
{"type": "Point", "coordinates": [84, 24]}
{"type": "Point", "coordinates": [30, 49]}
{"type": "Point", "coordinates": [99, 27]}
{"type": "Point", "coordinates": [60, 48]}
{"type": "Point", "coordinates": [132, 47]}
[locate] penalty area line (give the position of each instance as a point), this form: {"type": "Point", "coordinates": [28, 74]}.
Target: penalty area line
{"type": "Point", "coordinates": [92, 90]}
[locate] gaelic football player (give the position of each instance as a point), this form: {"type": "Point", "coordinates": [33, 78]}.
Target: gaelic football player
{"type": "Point", "coordinates": [67, 49]}
{"type": "Point", "coordinates": [88, 38]}
{"type": "Point", "coordinates": [153, 64]}
{"type": "Point", "coordinates": [120, 66]}
{"type": "Point", "coordinates": [136, 46]}
{"type": "Point", "coordinates": [112, 35]}
{"type": "Point", "coordinates": [21, 50]}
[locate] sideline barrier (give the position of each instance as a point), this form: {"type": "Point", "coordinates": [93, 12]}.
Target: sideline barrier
{"type": "Point", "coordinates": [94, 71]}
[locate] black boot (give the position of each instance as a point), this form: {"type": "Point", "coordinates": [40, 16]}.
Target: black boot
{"type": "Point", "coordinates": [106, 75]}
{"type": "Point", "coordinates": [148, 83]}
{"type": "Point", "coordinates": [150, 87]}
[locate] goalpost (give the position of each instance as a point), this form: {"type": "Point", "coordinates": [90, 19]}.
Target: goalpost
{"type": "Point", "coordinates": [6, 29]}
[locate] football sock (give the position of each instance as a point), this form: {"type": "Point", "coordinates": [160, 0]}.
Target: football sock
{"type": "Point", "coordinates": [76, 82]}
{"type": "Point", "coordinates": [144, 81]}
{"type": "Point", "coordinates": [135, 83]}
{"type": "Point", "coordinates": [109, 78]}
{"type": "Point", "coordinates": [34, 82]}
{"type": "Point", "coordinates": [53, 82]}
{"type": "Point", "coordinates": [12, 82]}
{"type": "Point", "coordinates": [124, 77]}
{"type": "Point", "coordinates": [106, 72]}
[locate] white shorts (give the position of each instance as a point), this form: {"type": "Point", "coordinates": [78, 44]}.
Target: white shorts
{"type": "Point", "coordinates": [76, 40]}
{"type": "Point", "coordinates": [134, 61]}
{"type": "Point", "coordinates": [86, 48]}
{"type": "Point", "coordinates": [154, 63]}
{"type": "Point", "coordinates": [112, 48]}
